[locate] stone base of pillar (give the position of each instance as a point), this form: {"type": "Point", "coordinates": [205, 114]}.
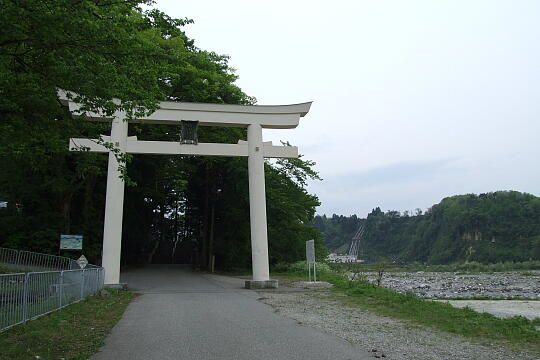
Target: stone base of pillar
{"type": "Point", "coordinates": [120, 286]}
{"type": "Point", "coordinates": [261, 284]}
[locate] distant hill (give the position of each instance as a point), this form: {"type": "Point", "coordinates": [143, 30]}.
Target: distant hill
{"type": "Point", "coordinates": [338, 230]}
{"type": "Point", "coordinates": [491, 227]}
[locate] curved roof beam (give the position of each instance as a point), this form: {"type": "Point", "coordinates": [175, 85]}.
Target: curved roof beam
{"type": "Point", "coordinates": [268, 116]}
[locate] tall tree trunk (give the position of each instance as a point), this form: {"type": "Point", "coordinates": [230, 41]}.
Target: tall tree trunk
{"type": "Point", "coordinates": [211, 238]}
{"type": "Point", "coordinates": [204, 227]}
{"type": "Point", "coordinates": [66, 210]}
{"type": "Point", "coordinates": [159, 238]}
{"type": "Point", "coordinates": [88, 201]}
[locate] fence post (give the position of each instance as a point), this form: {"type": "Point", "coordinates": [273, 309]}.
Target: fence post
{"type": "Point", "coordinates": [82, 284]}
{"type": "Point", "coordinates": [18, 258]}
{"type": "Point", "coordinates": [99, 279]}
{"type": "Point", "coordinates": [96, 282]}
{"type": "Point", "coordinates": [102, 278]}
{"type": "Point", "coordinates": [25, 297]}
{"type": "Point", "coordinates": [61, 288]}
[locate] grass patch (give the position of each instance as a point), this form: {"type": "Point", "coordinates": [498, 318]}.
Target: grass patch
{"type": "Point", "coordinates": [76, 332]}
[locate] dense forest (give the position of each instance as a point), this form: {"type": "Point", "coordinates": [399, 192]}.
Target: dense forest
{"type": "Point", "coordinates": [491, 227]}
{"type": "Point", "coordinates": [103, 50]}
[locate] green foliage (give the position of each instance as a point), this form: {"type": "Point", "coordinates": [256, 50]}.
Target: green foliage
{"type": "Point", "coordinates": [301, 268]}
{"type": "Point", "coordinates": [98, 49]}
{"type": "Point", "coordinates": [350, 271]}
{"type": "Point", "coordinates": [289, 209]}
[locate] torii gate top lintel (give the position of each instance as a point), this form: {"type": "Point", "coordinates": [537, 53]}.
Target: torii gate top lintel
{"type": "Point", "coordinates": [169, 112]}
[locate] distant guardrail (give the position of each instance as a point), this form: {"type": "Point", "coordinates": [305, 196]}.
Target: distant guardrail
{"type": "Point", "coordinates": [29, 260]}
{"type": "Point", "coordinates": [29, 295]}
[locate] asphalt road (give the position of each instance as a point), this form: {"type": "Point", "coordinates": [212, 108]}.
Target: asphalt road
{"type": "Point", "coordinates": [186, 315]}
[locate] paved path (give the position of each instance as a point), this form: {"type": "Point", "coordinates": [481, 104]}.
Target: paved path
{"type": "Point", "coordinates": [185, 315]}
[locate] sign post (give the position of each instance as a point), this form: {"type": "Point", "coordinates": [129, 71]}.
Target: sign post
{"type": "Point", "coordinates": [82, 261]}
{"type": "Point", "coordinates": [310, 256]}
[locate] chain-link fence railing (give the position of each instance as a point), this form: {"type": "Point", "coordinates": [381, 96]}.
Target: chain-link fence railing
{"type": "Point", "coordinates": [26, 296]}
{"type": "Point", "coordinates": [28, 260]}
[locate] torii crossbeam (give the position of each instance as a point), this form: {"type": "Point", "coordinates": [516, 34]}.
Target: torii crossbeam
{"type": "Point", "coordinates": [252, 117]}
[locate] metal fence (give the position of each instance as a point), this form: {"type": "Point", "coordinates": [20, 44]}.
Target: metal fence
{"type": "Point", "coordinates": [26, 296]}
{"type": "Point", "coordinates": [28, 260]}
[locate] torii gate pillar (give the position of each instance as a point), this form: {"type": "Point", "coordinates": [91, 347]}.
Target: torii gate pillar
{"type": "Point", "coordinates": [114, 206]}
{"type": "Point", "coordinates": [257, 208]}
{"type": "Point", "coordinates": [252, 117]}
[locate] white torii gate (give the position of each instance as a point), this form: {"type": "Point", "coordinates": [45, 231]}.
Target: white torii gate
{"type": "Point", "coordinates": [252, 117]}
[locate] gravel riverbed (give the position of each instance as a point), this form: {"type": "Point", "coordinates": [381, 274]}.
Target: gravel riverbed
{"type": "Point", "coordinates": [384, 337]}
{"type": "Point", "coordinates": [444, 285]}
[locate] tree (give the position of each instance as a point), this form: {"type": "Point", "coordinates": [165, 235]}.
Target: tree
{"type": "Point", "coordinates": [99, 49]}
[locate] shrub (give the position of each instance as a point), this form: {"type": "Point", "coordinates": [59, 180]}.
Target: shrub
{"type": "Point", "coordinates": [300, 267]}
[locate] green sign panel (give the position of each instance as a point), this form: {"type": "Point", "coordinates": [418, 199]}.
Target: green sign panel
{"type": "Point", "coordinates": [71, 242]}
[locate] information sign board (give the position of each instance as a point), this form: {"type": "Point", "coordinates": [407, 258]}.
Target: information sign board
{"type": "Point", "coordinates": [310, 251]}
{"type": "Point", "coordinates": [71, 242]}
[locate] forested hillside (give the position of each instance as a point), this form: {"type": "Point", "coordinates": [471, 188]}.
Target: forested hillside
{"type": "Point", "coordinates": [492, 227]}
{"type": "Point", "coordinates": [338, 230]}
{"type": "Point", "coordinates": [103, 50]}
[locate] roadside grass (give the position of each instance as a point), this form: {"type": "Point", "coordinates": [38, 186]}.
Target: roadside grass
{"type": "Point", "coordinates": [515, 332]}
{"type": "Point", "coordinates": [75, 332]}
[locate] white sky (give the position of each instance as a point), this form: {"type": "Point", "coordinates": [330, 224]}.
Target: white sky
{"type": "Point", "coordinates": [412, 100]}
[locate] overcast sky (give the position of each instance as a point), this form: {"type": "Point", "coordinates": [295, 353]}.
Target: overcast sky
{"type": "Point", "coordinates": [413, 101]}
